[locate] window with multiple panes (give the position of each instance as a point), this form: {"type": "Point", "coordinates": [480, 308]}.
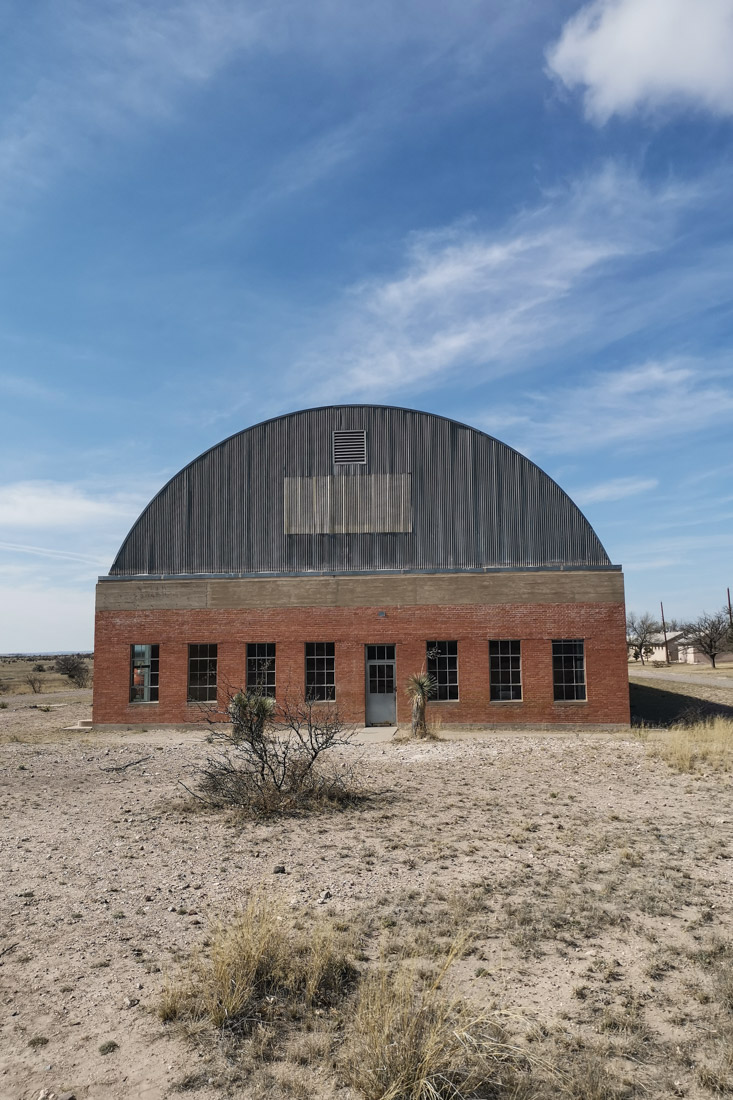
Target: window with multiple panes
{"type": "Point", "coordinates": [202, 673]}
{"type": "Point", "coordinates": [261, 668]}
{"type": "Point", "coordinates": [320, 670]}
{"type": "Point", "coordinates": [442, 660]}
{"type": "Point", "coordinates": [505, 671]}
{"type": "Point", "coordinates": [144, 673]}
{"type": "Point", "coordinates": [568, 669]}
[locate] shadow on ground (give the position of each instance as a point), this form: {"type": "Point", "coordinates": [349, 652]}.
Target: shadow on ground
{"type": "Point", "coordinates": [655, 706]}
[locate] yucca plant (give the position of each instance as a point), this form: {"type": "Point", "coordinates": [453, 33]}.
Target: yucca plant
{"type": "Point", "coordinates": [420, 687]}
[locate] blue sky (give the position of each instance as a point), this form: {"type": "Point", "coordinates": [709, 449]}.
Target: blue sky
{"type": "Point", "coordinates": [216, 211]}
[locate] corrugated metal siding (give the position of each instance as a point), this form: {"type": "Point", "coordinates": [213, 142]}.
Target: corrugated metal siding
{"type": "Point", "coordinates": [476, 504]}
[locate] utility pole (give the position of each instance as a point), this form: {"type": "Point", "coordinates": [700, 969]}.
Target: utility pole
{"type": "Point", "coordinates": [664, 629]}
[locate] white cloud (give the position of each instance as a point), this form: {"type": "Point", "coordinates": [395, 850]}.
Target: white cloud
{"type": "Point", "coordinates": [616, 489]}
{"type": "Point", "coordinates": [488, 302]}
{"type": "Point", "coordinates": [49, 504]}
{"type": "Point", "coordinates": [631, 55]}
{"type": "Point", "coordinates": [634, 406]}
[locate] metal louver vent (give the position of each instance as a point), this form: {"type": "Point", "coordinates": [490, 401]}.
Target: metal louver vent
{"type": "Point", "coordinates": [349, 447]}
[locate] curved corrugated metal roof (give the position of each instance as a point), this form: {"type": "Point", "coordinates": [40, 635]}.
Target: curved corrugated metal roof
{"type": "Point", "coordinates": [433, 495]}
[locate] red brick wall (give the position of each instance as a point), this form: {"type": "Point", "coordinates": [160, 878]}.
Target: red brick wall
{"type": "Point", "coordinates": [602, 625]}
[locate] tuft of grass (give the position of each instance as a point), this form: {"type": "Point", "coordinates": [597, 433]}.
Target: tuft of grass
{"type": "Point", "coordinates": [408, 1041]}
{"type": "Point", "coordinates": [109, 1047]}
{"type": "Point", "coordinates": [703, 744]}
{"type": "Point", "coordinates": [257, 968]}
{"type": "Point", "coordinates": [38, 1041]}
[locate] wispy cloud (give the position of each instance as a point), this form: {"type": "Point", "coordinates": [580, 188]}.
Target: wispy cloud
{"type": "Point", "coordinates": [655, 400]}
{"type": "Point", "coordinates": [616, 489]}
{"type": "Point", "coordinates": [115, 68]}
{"type": "Point", "coordinates": [49, 552]}
{"type": "Point", "coordinates": [49, 504]}
{"type": "Point", "coordinates": [631, 55]}
{"type": "Point", "coordinates": [490, 302]}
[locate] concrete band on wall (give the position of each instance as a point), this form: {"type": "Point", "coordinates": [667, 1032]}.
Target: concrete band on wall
{"type": "Point", "coordinates": [489, 589]}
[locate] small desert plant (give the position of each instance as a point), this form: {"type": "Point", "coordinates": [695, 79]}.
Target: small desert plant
{"type": "Point", "coordinates": [34, 683]}
{"type": "Point", "coordinates": [3, 705]}
{"type": "Point", "coordinates": [707, 742]}
{"type": "Point", "coordinates": [271, 759]}
{"type": "Point", "coordinates": [408, 1041]}
{"type": "Point", "coordinates": [258, 969]}
{"type": "Point", "coordinates": [420, 687]}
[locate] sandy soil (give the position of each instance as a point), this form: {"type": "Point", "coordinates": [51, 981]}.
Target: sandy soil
{"type": "Point", "coordinates": [595, 881]}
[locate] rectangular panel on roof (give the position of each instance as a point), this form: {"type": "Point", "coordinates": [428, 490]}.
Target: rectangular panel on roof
{"type": "Point", "coordinates": [371, 504]}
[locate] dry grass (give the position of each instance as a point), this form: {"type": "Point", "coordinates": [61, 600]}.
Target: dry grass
{"type": "Point", "coordinates": [703, 745]}
{"type": "Point", "coordinates": [407, 1041]}
{"type": "Point", "coordinates": [259, 968]}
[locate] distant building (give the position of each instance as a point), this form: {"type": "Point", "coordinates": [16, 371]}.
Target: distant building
{"type": "Point", "coordinates": [681, 651]}
{"type": "Point", "coordinates": [334, 551]}
{"type": "Point", "coordinates": [656, 651]}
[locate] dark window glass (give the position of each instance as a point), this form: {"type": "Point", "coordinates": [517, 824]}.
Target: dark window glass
{"type": "Point", "coordinates": [568, 669]}
{"type": "Point", "coordinates": [505, 671]}
{"type": "Point", "coordinates": [202, 673]}
{"type": "Point", "coordinates": [443, 667]}
{"type": "Point", "coordinates": [144, 673]}
{"type": "Point", "coordinates": [261, 668]}
{"type": "Point", "coordinates": [320, 670]}
{"type": "Point", "coordinates": [380, 653]}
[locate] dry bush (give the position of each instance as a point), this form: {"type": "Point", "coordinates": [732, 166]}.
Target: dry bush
{"type": "Point", "coordinates": [407, 1041]}
{"type": "Point", "coordinates": [259, 969]}
{"type": "Point", "coordinates": [271, 759]}
{"type": "Point", "coordinates": [74, 667]}
{"type": "Point", "coordinates": [34, 682]}
{"type": "Point", "coordinates": [707, 742]}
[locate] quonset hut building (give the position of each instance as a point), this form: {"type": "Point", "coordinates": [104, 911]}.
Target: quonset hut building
{"type": "Point", "coordinates": [334, 551]}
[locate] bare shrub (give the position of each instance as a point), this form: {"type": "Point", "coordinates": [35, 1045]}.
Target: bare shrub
{"type": "Point", "coordinates": [259, 969]}
{"type": "Point", "coordinates": [74, 668]}
{"type": "Point", "coordinates": [271, 758]}
{"type": "Point", "coordinates": [34, 682]}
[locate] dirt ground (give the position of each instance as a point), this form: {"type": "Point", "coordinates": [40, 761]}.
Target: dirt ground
{"type": "Point", "coordinates": [594, 881]}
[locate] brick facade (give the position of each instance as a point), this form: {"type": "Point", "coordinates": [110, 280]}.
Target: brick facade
{"type": "Point", "coordinates": [351, 628]}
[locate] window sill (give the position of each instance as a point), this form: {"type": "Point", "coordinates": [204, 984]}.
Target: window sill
{"type": "Point", "coordinates": [143, 703]}
{"type": "Point", "coordinates": [570, 702]}
{"type": "Point", "coordinates": [506, 702]}
{"type": "Point", "coordinates": [443, 702]}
